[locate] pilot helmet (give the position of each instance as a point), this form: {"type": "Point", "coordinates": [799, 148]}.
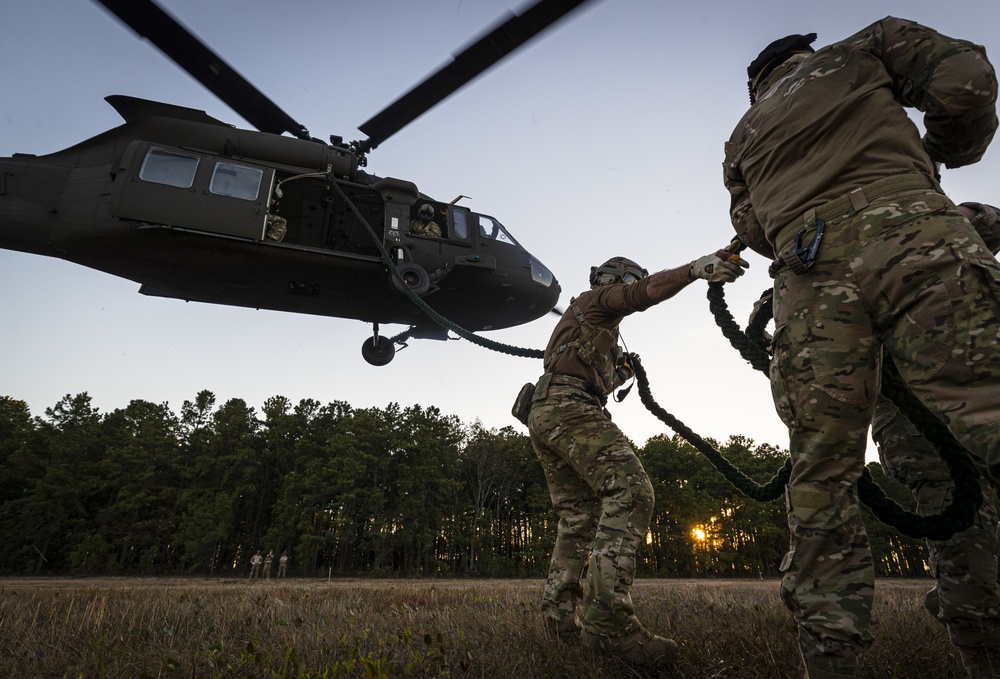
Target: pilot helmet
{"type": "Point", "coordinates": [617, 270]}
{"type": "Point", "coordinates": [425, 211]}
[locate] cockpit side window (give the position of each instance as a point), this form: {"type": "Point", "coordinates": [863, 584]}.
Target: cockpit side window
{"type": "Point", "coordinates": [166, 167]}
{"type": "Point", "coordinates": [493, 230]}
{"type": "Point", "coordinates": [237, 181]}
{"type": "Point", "coordinates": [460, 218]}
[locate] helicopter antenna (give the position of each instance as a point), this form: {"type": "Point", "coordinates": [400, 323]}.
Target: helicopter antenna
{"type": "Point", "coordinates": [466, 65]}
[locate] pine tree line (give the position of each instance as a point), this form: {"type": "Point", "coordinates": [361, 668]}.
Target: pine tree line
{"type": "Point", "coordinates": [342, 490]}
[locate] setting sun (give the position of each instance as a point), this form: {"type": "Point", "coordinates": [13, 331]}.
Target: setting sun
{"type": "Point", "coordinates": [698, 534]}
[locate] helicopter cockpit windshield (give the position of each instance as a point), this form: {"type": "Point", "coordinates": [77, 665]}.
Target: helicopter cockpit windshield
{"type": "Point", "coordinates": [493, 230]}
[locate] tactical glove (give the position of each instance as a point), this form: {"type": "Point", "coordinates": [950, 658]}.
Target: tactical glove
{"type": "Point", "coordinates": [718, 267]}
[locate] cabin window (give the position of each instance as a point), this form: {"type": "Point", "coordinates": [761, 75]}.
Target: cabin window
{"type": "Point", "coordinates": [493, 230]}
{"type": "Point", "coordinates": [167, 167]}
{"type": "Point", "coordinates": [237, 181]}
{"type": "Point", "coordinates": [461, 224]}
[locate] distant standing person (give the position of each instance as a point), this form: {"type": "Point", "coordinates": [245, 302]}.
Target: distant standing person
{"type": "Point", "coordinates": [255, 561]}
{"type": "Point", "coordinates": [283, 564]}
{"type": "Point", "coordinates": [267, 563]}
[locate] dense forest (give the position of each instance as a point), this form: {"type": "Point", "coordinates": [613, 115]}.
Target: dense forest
{"type": "Point", "coordinates": [377, 491]}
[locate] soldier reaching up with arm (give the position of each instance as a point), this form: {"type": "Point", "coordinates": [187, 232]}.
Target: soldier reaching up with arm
{"type": "Point", "coordinates": [598, 487]}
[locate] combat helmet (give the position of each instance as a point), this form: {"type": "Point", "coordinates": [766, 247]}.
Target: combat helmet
{"type": "Point", "coordinates": [616, 270]}
{"type": "Point", "coordinates": [775, 55]}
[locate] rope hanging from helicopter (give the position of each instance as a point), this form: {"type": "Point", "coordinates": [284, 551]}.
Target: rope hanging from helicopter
{"type": "Point", "coordinates": [751, 344]}
{"type": "Point", "coordinates": [387, 259]}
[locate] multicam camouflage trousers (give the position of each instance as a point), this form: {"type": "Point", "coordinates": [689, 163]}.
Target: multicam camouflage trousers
{"type": "Point", "coordinates": [966, 596]}
{"type": "Point", "coordinates": [604, 501]}
{"type": "Point", "coordinates": [909, 274]}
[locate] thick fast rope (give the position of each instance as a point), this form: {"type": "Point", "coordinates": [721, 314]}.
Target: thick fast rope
{"type": "Point", "coordinates": [967, 497]}
{"type": "Point", "coordinates": [769, 491]}
{"type": "Point", "coordinates": [956, 517]}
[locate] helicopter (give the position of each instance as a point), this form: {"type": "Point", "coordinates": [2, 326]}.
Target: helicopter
{"type": "Point", "coordinates": [193, 208]}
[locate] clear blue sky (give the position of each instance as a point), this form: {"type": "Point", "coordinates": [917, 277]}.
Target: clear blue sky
{"type": "Point", "coordinates": [603, 138]}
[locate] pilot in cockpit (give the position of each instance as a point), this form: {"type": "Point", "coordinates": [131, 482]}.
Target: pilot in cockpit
{"type": "Point", "coordinates": [424, 224]}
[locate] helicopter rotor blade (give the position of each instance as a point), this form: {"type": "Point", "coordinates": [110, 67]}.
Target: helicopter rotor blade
{"type": "Point", "coordinates": [464, 67]}
{"type": "Point", "coordinates": [151, 22]}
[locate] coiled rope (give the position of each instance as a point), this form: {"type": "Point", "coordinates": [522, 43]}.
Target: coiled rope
{"type": "Point", "coordinates": [968, 494]}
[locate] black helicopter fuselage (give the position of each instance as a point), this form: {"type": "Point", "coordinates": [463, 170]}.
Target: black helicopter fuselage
{"type": "Point", "coordinates": [195, 209]}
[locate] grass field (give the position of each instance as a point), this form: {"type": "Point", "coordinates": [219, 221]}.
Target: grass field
{"type": "Point", "coordinates": [188, 627]}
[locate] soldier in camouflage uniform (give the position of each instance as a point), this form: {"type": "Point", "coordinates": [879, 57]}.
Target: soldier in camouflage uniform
{"type": "Point", "coordinates": [598, 487]}
{"type": "Point", "coordinates": [966, 595]}
{"type": "Point", "coordinates": [829, 177]}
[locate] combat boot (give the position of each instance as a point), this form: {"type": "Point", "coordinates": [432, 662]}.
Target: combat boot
{"type": "Point", "coordinates": [639, 647]}
{"type": "Point", "coordinates": [980, 663]}
{"type": "Point", "coordinates": [566, 629]}
{"type": "Point", "coordinates": [832, 667]}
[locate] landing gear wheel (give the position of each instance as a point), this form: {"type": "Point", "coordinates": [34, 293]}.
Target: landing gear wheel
{"type": "Point", "coordinates": [415, 278]}
{"type": "Point", "coordinates": [378, 350]}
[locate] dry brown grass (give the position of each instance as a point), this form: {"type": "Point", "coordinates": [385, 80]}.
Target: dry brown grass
{"type": "Point", "coordinates": [400, 628]}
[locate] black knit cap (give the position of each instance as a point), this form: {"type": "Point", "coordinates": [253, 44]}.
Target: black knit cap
{"type": "Point", "coordinates": [777, 53]}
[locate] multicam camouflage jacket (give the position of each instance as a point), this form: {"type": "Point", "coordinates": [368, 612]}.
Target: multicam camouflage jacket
{"type": "Point", "coordinates": [834, 120]}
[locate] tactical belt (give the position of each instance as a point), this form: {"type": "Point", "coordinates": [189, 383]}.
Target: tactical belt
{"type": "Point", "coordinates": [800, 258]}
{"type": "Point", "coordinates": [588, 386]}
{"type": "Point", "coordinates": [858, 199]}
